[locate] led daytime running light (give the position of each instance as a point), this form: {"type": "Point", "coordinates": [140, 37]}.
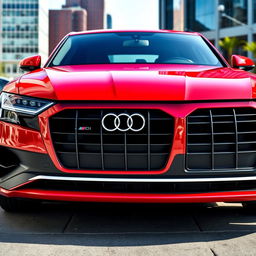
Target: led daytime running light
{"type": "Point", "coordinates": [23, 104]}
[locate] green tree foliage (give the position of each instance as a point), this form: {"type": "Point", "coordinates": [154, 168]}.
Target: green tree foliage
{"type": "Point", "coordinates": [250, 47]}
{"type": "Point", "coordinates": [2, 69]}
{"type": "Point", "coordinates": [229, 44]}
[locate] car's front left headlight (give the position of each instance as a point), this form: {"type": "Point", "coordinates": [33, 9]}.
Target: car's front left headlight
{"type": "Point", "coordinates": [14, 108]}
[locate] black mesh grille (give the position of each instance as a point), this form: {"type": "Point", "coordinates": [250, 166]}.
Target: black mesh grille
{"type": "Point", "coordinates": [81, 142]}
{"type": "Point", "coordinates": [221, 139]}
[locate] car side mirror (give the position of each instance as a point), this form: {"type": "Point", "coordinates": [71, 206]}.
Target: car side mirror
{"type": "Point", "coordinates": [31, 63]}
{"type": "Point", "coordinates": [242, 62]}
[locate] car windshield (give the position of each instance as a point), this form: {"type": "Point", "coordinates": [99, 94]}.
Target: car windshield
{"type": "Point", "coordinates": [135, 47]}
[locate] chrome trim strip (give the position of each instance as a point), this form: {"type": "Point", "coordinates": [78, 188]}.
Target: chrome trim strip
{"type": "Point", "coordinates": [59, 178]}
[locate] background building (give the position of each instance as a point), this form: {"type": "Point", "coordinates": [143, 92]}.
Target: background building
{"type": "Point", "coordinates": [23, 32]}
{"type": "Point", "coordinates": [214, 18]}
{"type": "Point", "coordinates": [95, 11]}
{"type": "Point", "coordinates": [75, 15]}
{"type": "Point", "coordinates": [64, 21]}
{"type": "Point", "coordinates": [109, 24]}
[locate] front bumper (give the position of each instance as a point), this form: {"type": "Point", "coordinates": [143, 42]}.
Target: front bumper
{"type": "Point", "coordinates": [131, 198]}
{"type": "Point", "coordinates": [36, 158]}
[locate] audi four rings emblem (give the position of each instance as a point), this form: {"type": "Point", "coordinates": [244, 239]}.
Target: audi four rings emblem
{"type": "Point", "coordinates": [123, 122]}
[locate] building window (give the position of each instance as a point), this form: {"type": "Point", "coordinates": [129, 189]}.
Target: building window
{"type": "Point", "coordinates": [169, 14]}
{"type": "Point", "coordinates": [8, 68]}
{"type": "Point", "coordinates": [254, 11]}
{"type": "Point", "coordinates": [200, 16]}
{"type": "Point", "coordinates": [14, 68]}
{"type": "Point", "coordinates": [237, 10]}
{"type": "Point", "coordinates": [166, 14]}
{"type": "Point", "coordinates": [109, 21]}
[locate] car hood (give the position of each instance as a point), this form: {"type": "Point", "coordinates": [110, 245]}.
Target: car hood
{"type": "Point", "coordinates": [138, 83]}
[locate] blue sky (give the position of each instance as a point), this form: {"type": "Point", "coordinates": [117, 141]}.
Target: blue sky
{"type": "Point", "coordinates": [127, 14]}
{"type": "Point", "coordinates": [133, 14]}
{"type": "Point", "coordinates": [55, 4]}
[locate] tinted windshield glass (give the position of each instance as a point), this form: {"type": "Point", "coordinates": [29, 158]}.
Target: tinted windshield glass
{"type": "Point", "coordinates": [135, 47]}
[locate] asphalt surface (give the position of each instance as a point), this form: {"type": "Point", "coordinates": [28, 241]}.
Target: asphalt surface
{"type": "Point", "coordinates": [128, 229]}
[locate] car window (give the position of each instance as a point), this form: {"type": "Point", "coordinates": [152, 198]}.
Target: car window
{"type": "Point", "coordinates": [135, 47]}
{"type": "Point", "coordinates": [2, 83]}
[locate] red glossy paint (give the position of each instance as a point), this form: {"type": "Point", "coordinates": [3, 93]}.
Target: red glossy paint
{"type": "Point", "coordinates": [33, 62]}
{"type": "Point", "coordinates": [11, 86]}
{"type": "Point", "coordinates": [15, 136]}
{"type": "Point", "coordinates": [130, 198]}
{"type": "Point", "coordinates": [241, 61]}
{"type": "Point", "coordinates": [138, 82]}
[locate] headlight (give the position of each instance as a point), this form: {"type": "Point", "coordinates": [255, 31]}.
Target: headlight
{"type": "Point", "coordinates": [13, 106]}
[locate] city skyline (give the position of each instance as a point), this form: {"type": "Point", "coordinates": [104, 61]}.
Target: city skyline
{"type": "Point", "coordinates": [122, 11]}
{"type": "Point", "coordinates": [76, 15]}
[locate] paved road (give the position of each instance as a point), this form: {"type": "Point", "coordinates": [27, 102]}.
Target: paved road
{"type": "Point", "coordinates": [107, 229]}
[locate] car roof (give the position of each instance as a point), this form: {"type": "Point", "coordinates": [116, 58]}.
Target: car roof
{"type": "Point", "coordinates": [101, 31]}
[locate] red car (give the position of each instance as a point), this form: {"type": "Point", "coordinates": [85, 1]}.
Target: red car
{"type": "Point", "coordinates": [129, 116]}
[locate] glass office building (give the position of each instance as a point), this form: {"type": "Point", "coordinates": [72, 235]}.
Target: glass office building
{"type": "Point", "coordinates": [200, 16]}
{"type": "Point", "coordinates": [214, 18]}
{"type": "Point", "coordinates": [23, 32]}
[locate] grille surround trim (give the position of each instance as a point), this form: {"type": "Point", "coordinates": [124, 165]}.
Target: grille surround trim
{"type": "Point", "coordinates": [160, 150]}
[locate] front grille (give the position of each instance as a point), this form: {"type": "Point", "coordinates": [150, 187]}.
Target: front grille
{"type": "Point", "coordinates": [221, 139]}
{"type": "Point", "coordinates": [81, 142]}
